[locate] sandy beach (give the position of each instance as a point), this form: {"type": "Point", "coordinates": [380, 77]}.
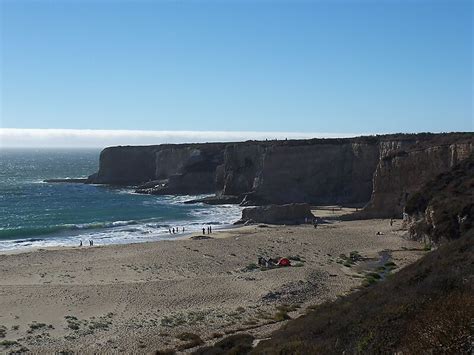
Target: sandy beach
{"type": "Point", "coordinates": [142, 297]}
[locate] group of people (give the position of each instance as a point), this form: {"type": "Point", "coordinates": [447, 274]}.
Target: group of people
{"type": "Point", "coordinates": [175, 230]}
{"type": "Point", "coordinates": [91, 243]}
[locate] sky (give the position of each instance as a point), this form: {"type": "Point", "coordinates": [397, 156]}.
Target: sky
{"type": "Point", "coordinates": [214, 70]}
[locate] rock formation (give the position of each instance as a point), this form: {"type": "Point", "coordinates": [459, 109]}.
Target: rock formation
{"type": "Point", "coordinates": [126, 165]}
{"type": "Point", "coordinates": [405, 166]}
{"type": "Point", "coordinates": [314, 171]}
{"type": "Point", "coordinates": [381, 170]}
{"type": "Point", "coordinates": [444, 208]}
{"type": "Point", "coordinates": [162, 169]}
{"type": "Point", "coordinates": [293, 213]}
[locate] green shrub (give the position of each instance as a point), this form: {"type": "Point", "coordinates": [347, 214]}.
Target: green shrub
{"type": "Point", "coordinates": [8, 343]}
{"type": "Point", "coordinates": [280, 316]}
{"type": "Point", "coordinates": [35, 325]}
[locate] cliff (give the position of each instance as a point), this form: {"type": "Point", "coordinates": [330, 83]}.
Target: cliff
{"type": "Point", "coordinates": [316, 171]}
{"type": "Point", "coordinates": [162, 169]}
{"type": "Point", "coordinates": [381, 170]}
{"type": "Point", "coordinates": [405, 166]}
{"type": "Point", "coordinates": [125, 165]}
{"type": "Point", "coordinates": [444, 208]}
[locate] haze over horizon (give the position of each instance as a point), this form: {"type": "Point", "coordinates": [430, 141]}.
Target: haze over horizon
{"type": "Point", "coordinates": [99, 73]}
{"type": "Point", "coordinates": [81, 138]}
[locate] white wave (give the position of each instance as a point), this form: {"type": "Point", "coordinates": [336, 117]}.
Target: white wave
{"type": "Point", "coordinates": [120, 232]}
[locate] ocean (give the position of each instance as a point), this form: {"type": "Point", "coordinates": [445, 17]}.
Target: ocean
{"type": "Point", "coordinates": [37, 214]}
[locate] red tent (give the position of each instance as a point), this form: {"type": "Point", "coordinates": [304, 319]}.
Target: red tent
{"type": "Point", "coordinates": [284, 262]}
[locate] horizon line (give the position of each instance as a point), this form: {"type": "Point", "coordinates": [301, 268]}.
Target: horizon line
{"type": "Point", "coordinates": [100, 138]}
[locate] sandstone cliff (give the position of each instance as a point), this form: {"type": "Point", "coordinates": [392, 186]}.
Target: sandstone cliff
{"type": "Point", "coordinates": [444, 208]}
{"type": "Point", "coordinates": [126, 165]}
{"type": "Point", "coordinates": [405, 166]}
{"type": "Point", "coordinates": [165, 169]}
{"type": "Point", "coordinates": [319, 173]}
{"type": "Point", "coordinates": [381, 170]}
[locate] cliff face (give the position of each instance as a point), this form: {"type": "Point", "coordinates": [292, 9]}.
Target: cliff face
{"type": "Point", "coordinates": [125, 165]}
{"type": "Point", "coordinates": [242, 167]}
{"type": "Point", "coordinates": [301, 171]}
{"type": "Point", "coordinates": [183, 168]}
{"type": "Point", "coordinates": [404, 167]}
{"type": "Point", "coordinates": [382, 170]}
{"type": "Point", "coordinates": [318, 174]}
{"type": "Point", "coordinates": [190, 169]}
{"type": "Point", "coordinates": [444, 208]}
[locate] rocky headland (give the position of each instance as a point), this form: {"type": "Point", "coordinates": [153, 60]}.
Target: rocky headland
{"type": "Point", "coordinates": [378, 172]}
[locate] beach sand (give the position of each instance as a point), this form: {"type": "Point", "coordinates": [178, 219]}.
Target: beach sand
{"type": "Point", "coordinates": [140, 297]}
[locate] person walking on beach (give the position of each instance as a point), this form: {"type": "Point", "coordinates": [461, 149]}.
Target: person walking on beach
{"type": "Point", "coordinates": [173, 230]}
{"type": "Point", "coordinates": [80, 244]}
{"type": "Point", "coordinates": [210, 229]}
{"type": "Point", "coordinates": [203, 230]}
{"type": "Point", "coordinates": [183, 229]}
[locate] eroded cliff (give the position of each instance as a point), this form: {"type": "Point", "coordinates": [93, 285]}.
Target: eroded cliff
{"type": "Point", "coordinates": [162, 169]}
{"type": "Point", "coordinates": [381, 170]}
{"type": "Point", "coordinates": [125, 165]}
{"type": "Point", "coordinates": [443, 209]}
{"type": "Point", "coordinates": [405, 166]}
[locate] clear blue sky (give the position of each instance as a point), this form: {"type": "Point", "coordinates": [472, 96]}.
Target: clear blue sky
{"type": "Point", "coordinates": [305, 66]}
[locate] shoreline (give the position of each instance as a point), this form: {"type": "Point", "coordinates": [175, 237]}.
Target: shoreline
{"type": "Point", "coordinates": [141, 297]}
{"type": "Point", "coordinates": [185, 235]}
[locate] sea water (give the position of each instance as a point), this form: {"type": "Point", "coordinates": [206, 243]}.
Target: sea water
{"type": "Point", "coordinates": [38, 214]}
